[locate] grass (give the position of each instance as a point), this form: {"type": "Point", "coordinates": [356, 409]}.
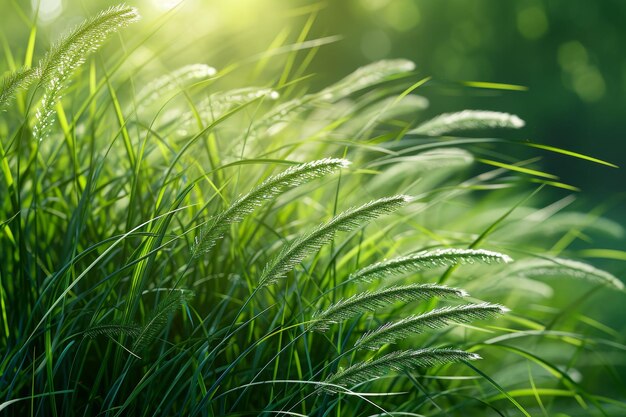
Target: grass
{"type": "Point", "coordinates": [188, 250]}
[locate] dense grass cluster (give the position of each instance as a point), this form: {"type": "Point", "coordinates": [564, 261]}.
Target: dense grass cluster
{"type": "Point", "coordinates": [172, 248]}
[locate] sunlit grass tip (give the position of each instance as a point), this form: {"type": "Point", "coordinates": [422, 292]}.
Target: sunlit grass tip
{"type": "Point", "coordinates": [468, 120]}
{"type": "Point", "coordinates": [69, 53]}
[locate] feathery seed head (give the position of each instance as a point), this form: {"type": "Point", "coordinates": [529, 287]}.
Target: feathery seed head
{"type": "Point", "coordinates": [395, 361]}
{"type": "Point", "coordinates": [69, 53]}
{"type": "Point", "coordinates": [468, 120]}
{"type": "Point", "coordinates": [273, 186]}
{"type": "Point", "coordinates": [426, 260]}
{"type": "Point", "coordinates": [373, 300]}
{"type": "Point", "coordinates": [176, 79]}
{"type": "Point", "coordinates": [434, 319]}
{"type": "Point", "coordinates": [560, 267]}
{"type": "Point", "coordinates": [296, 250]}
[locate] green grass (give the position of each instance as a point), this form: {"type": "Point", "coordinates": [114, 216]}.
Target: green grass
{"type": "Point", "coordinates": [173, 247]}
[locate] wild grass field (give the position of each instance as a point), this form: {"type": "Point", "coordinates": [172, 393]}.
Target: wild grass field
{"type": "Point", "coordinates": [226, 239]}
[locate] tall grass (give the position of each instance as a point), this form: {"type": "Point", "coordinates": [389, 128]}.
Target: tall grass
{"type": "Point", "coordinates": [197, 251]}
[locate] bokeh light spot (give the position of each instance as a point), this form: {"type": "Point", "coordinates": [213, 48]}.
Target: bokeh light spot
{"type": "Point", "coordinates": [165, 4]}
{"type": "Point", "coordinates": [582, 76]}
{"type": "Point", "coordinates": [48, 9]}
{"type": "Point", "coordinates": [450, 62]}
{"type": "Point", "coordinates": [572, 55]}
{"type": "Point", "coordinates": [589, 84]}
{"type": "Point", "coordinates": [374, 4]}
{"type": "Point", "coordinates": [532, 22]}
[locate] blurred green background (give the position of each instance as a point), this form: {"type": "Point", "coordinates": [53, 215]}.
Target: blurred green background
{"type": "Point", "coordinates": [570, 54]}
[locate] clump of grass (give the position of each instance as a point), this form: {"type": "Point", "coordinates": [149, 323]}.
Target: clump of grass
{"type": "Point", "coordinates": [187, 270]}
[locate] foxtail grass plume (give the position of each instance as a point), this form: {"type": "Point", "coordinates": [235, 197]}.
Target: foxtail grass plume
{"type": "Point", "coordinates": [56, 68]}
{"type": "Point", "coordinates": [270, 188]}
{"type": "Point", "coordinates": [434, 319]}
{"type": "Point", "coordinates": [112, 330]}
{"type": "Point", "coordinates": [468, 120]}
{"type": "Point", "coordinates": [559, 267]}
{"type": "Point", "coordinates": [21, 78]}
{"type": "Point", "coordinates": [373, 300]}
{"type": "Point", "coordinates": [295, 251]}
{"type": "Point", "coordinates": [174, 300]}
{"type": "Point", "coordinates": [397, 361]}
{"type": "Point", "coordinates": [367, 76]}
{"type": "Point", "coordinates": [177, 79]}
{"type": "Point", "coordinates": [364, 77]}
{"type": "Point", "coordinates": [427, 260]}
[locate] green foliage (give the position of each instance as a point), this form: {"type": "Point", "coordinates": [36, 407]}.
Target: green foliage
{"type": "Point", "coordinates": [200, 185]}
